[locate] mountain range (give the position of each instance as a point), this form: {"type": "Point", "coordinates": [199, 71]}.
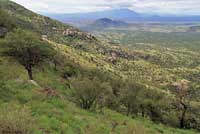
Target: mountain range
{"type": "Point", "coordinates": [122, 14]}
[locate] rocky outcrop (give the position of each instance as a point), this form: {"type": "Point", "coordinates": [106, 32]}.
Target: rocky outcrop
{"type": "Point", "coordinates": [115, 54]}
{"type": "Point", "coordinates": [121, 53]}
{"type": "Point", "coordinates": [113, 57]}
{"type": "Point", "coordinates": [76, 33]}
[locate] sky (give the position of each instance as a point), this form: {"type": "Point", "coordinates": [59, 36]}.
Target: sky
{"type": "Point", "coordinates": [176, 7]}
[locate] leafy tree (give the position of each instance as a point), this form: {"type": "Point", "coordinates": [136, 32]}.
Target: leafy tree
{"type": "Point", "coordinates": [28, 49]}
{"type": "Point", "coordinates": [183, 94]}
{"type": "Point", "coordinates": [89, 92]}
{"type": "Point", "coordinates": [117, 84]}
{"type": "Point", "coordinates": [130, 97]}
{"type": "Point", "coordinates": [58, 60]}
{"type": "Point", "coordinates": [155, 104]}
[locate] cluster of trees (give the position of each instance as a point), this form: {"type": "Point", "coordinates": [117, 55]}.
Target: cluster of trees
{"type": "Point", "coordinates": [92, 89]}
{"type": "Point", "coordinates": [176, 108]}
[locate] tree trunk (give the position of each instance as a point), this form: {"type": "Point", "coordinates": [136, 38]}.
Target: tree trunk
{"type": "Point", "coordinates": [55, 66]}
{"type": "Point", "coordinates": [182, 119]}
{"type": "Point", "coordinates": [143, 113]}
{"type": "Point", "coordinates": [183, 114]}
{"type": "Point", "coordinates": [128, 110]}
{"type": "Point", "coordinates": [30, 74]}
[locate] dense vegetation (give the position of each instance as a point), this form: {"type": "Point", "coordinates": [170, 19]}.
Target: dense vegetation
{"type": "Point", "coordinates": [78, 91]}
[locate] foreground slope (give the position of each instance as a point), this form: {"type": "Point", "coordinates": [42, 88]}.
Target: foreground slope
{"type": "Point", "coordinates": [45, 105]}
{"type": "Point", "coordinates": [53, 112]}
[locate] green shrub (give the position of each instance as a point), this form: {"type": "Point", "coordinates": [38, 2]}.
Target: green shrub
{"type": "Point", "coordinates": [89, 93]}
{"type": "Point", "coordinates": [70, 72]}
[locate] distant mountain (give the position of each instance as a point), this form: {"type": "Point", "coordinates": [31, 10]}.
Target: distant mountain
{"type": "Point", "coordinates": [106, 22]}
{"type": "Point", "coordinates": [120, 14]}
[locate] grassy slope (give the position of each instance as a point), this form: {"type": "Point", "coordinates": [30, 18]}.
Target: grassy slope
{"type": "Point", "coordinates": [56, 114]}
{"type": "Point", "coordinates": [59, 114]}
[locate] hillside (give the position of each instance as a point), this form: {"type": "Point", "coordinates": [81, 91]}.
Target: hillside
{"type": "Point", "coordinates": [22, 98]}
{"type": "Point", "coordinates": [90, 84]}
{"type": "Point", "coordinates": [49, 28]}
{"type": "Point", "coordinates": [104, 23]}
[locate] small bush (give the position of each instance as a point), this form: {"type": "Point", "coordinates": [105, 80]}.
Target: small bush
{"type": "Point", "coordinates": [88, 93]}
{"type": "Point", "coordinates": [70, 72]}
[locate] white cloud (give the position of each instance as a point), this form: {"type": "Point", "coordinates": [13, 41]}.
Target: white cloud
{"type": "Point", "coordinates": [169, 6]}
{"type": "Point", "coordinates": [146, 6]}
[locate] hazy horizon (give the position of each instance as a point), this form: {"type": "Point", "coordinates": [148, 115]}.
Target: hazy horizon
{"type": "Point", "coordinates": [157, 7]}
